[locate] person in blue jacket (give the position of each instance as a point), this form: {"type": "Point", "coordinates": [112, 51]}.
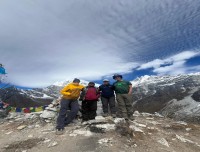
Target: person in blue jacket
{"type": "Point", "coordinates": [2, 70]}
{"type": "Point", "coordinates": [108, 98]}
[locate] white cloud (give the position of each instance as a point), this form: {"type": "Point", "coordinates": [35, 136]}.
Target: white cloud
{"type": "Point", "coordinates": [174, 69]}
{"type": "Point", "coordinates": [153, 64]}
{"type": "Point", "coordinates": [46, 41]}
{"type": "Point", "coordinates": [184, 55]}
{"type": "Point", "coordinates": [176, 64]}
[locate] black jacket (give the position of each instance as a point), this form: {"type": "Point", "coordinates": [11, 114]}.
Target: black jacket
{"type": "Point", "coordinates": [107, 91]}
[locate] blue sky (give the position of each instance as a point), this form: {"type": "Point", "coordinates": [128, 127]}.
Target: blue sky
{"type": "Point", "coordinates": [42, 42]}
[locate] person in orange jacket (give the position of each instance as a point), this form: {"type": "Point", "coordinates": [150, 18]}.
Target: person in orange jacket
{"type": "Point", "coordinates": [70, 95]}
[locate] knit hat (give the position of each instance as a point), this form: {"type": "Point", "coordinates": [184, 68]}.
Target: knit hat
{"type": "Point", "coordinates": [76, 80]}
{"type": "Point", "coordinates": [91, 83]}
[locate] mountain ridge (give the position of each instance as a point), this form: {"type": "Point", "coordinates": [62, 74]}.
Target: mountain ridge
{"type": "Point", "coordinates": [176, 97]}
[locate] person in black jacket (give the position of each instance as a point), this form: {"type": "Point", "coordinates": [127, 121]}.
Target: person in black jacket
{"type": "Point", "coordinates": [108, 98]}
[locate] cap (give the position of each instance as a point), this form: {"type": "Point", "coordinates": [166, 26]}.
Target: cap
{"type": "Point", "coordinates": [105, 80]}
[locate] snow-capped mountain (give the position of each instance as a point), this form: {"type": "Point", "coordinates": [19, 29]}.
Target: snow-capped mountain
{"type": "Point", "coordinates": [174, 96]}
{"type": "Point", "coordinates": [54, 89]}
{"type": "Point", "coordinates": [24, 98]}
{"type": "Point", "coordinates": [34, 97]}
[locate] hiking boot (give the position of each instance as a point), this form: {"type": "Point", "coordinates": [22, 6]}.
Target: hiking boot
{"type": "Point", "coordinates": [59, 131]}
{"type": "Point", "coordinates": [114, 115]}
{"type": "Point", "coordinates": [105, 114]}
{"type": "Point", "coordinates": [131, 117]}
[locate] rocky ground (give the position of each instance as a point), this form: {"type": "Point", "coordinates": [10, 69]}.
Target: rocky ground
{"type": "Point", "coordinates": [148, 132]}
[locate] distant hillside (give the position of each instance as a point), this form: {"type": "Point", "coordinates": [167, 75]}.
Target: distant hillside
{"type": "Point", "coordinates": [174, 96]}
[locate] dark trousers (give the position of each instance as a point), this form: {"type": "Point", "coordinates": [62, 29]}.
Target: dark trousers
{"type": "Point", "coordinates": [66, 104]}
{"type": "Point", "coordinates": [89, 109]}
{"type": "Point", "coordinates": [108, 102]}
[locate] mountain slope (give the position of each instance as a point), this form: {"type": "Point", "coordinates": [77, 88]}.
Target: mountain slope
{"type": "Point", "coordinates": [33, 97]}
{"type": "Point", "coordinates": [173, 96]}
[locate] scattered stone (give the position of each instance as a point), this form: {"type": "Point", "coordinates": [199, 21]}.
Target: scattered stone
{"type": "Point", "coordinates": [31, 126]}
{"type": "Point", "coordinates": [30, 136]}
{"type": "Point", "coordinates": [47, 121]}
{"type": "Point", "coordinates": [155, 123]}
{"type": "Point", "coordinates": [136, 129]}
{"type": "Point", "coordinates": [140, 125]}
{"type": "Point", "coordinates": [187, 134]}
{"type": "Point", "coordinates": [182, 123]}
{"type": "Point", "coordinates": [163, 141]}
{"type": "Point", "coordinates": [29, 116]}
{"type": "Point", "coordinates": [148, 118]}
{"type": "Point", "coordinates": [158, 115]}
{"type": "Point", "coordinates": [182, 139]}
{"type": "Point", "coordinates": [6, 146]}
{"type": "Point", "coordinates": [48, 114]}
{"type": "Point", "coordinates": [107, 127]}
{"type": "Point", "coordinates": [53, 144]}
{"type": "Point", "coordinates": [72, 135]}
{"type": "Point", "coordinates": [146, 114]}
{"type": "Point", "coordinates": [21, 127]}
{"type": "Point", "coordinates": [12, 115]}
{"type": "Point", "coordinates": [105, 140]}
{"type": "Point", "coordinates": [119, 120]}
{"type": "Point", "coordinates": [37, 126]}
{"type": "Point", "coordinates": [18, 119]}
{"type": "Point", "coordinates": [47, 130]}
{"type": "Point", "coordinates": [100, 118]}
{"type": "Point", "coordinates": [188, 129]}
{"type": "Point", "coordinates": [167, 126]}
{"type": "Point", "coordinates": [47, 140]}
{"type": "Point", "coordinates": [126, 146]}
{"type": "Point", "coordinates": [136, 113]}
{"type": "Point", "coordinates": [51, 109]}
{"type": "Point", "coordinates": [86, 133]}
{"type": "Point", "coordinates": [8, 133]}
{"type": "Point", "coordinates": [151, 128]}
{"type": "Point", "coordinates": [178, 126]}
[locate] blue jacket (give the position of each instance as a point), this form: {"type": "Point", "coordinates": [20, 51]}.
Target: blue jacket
{"type": "Point", "coordinates": [107, 91]}
{"type": "Point", "coordinates": [2, 70]}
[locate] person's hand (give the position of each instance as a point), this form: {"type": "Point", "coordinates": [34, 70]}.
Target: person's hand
{"type": "Point", "coordinates": [130, 93]}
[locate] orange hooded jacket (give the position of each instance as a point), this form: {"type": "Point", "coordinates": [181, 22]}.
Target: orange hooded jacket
{"type": "Point", "coordinates": [72, 91]}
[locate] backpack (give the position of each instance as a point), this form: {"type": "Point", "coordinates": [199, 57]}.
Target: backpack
{"type": "Point", "coordinates": [91, 93]}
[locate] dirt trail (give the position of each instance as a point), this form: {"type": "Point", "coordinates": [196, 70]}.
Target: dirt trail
{"type": "Point", "coordinates": [148, 132]}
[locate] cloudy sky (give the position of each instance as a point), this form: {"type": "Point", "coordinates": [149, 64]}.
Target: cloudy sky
{"type": "Point", "coordinates": [43, 41]}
